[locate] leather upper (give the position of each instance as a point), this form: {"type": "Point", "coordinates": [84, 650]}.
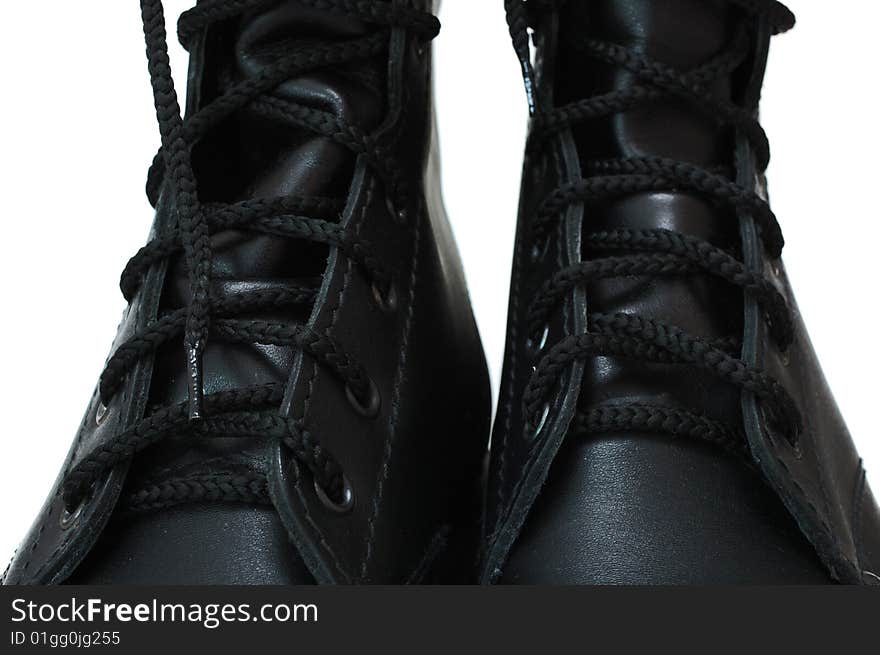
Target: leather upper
{"type": "Point", "coordinates": [641, 507]}
{"type": "Point", "coordinates": [414, 467]}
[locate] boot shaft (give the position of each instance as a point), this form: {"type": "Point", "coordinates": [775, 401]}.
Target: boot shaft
{"type": "Point", "coordinates": [660, 391]}
{"type": "Point", "coordinates": [297, 392]}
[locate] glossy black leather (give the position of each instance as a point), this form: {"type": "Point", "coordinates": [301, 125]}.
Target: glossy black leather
{"type": "Point", "coordinates": [642, 508]}
{"type": "Point", "coordinates": [415, 468]}
{"type": "Point", "coordinates": [247, 545]}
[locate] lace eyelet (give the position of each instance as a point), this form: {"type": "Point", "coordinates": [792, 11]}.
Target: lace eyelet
{"type": "Point", "coordinates": [536, 349]}
{"type": "Point", "coordinates": [69, 518]}
{"type": "Point", "coordinates": [385, 300]}
{"type": "Point", "coordinates": [399, 216]}
{"type": "Point", "coordinates": [545, 416]}
{"type": "Point", "coordinates": [368, 409]}
{"type": "Point", "coordinates": [872, 578]}
{"type": "Point", "coordinates": [343, 507]}
{"type": "Point", "coordinates": [101, 414]}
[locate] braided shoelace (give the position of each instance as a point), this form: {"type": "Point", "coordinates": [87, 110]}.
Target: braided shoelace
{"type": "Point", "coordinates": [653, 252]}
{"type": "Point", "coordinates": [252, 411]}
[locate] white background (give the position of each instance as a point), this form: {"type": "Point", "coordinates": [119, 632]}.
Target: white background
{"type": "Point", "coordinates": [78, 130]}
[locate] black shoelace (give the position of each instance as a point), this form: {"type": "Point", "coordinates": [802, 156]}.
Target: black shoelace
{"type": "Point", "coordinates": [653, 252]}
{"type": "Point", "coordinates": [253, 411]}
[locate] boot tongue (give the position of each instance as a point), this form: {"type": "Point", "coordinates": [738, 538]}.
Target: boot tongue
{"type": "Point", "coordinates": [248, 157]}
{"type": "Point", "coordinates": [684, 34]}
{"type": "Point", "coordinates": [267, 159]}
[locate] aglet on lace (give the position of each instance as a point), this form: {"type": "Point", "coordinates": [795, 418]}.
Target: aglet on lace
{"type": "Point", "coordinates": [196, 385]}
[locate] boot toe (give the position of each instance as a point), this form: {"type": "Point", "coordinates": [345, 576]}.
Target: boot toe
{"type": "Point", "coordinates": [649, 510]}
{"type": "Point", "coordinates": [217, 544]}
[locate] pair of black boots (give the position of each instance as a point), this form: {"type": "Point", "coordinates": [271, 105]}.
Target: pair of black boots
{"type": "Point", "coordinates": [298, 392]}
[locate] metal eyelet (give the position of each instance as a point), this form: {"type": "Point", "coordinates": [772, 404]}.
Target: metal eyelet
{"type": "Point", "coordinates": [536, 349]}
{"type": "Point", "coordinates": [776, 267]}
{"type": "Point", "coordinates": [399, 216]}
{"type": "Point", "coordinates": [342, 507]}
{"type": "Point", "coordinates": [872, 578]}
{"type": "Point", "coordinates": [785, 357]}
{"type": "Point", "coordinates": [545, 416]}
{"type": "Point", "coordinates": [101, 414]}
{"type": "Point", "coordinates": [368, 409]}
{"type": "Point", "coordinates": [70, 518]}
{"type": "Point", "coordinates": [385, 300]}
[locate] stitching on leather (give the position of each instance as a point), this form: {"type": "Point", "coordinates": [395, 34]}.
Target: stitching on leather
{"type": "Point", "coordinates": [858, 501]}
{"type": "Point", "coordinates": [334, 312]}
{"type": "Point", "coordinates": [805, 496]}
{"type": "Point", "coordinates": [512, 336]}
{"type": "Point", "coordinates": [33, 547]}
{"type": "Point", "coordinates": [823, 489]}
{"type": "Point", "coordinates": [823, 524]}
{"type": "Point", "coordinates": [511, 383]}
{"type": "Point", "coordinates": [821, 477]}
{"type": "Point", "coordinates": [45, 518]}
{"type": "Point", "coordinates": [504, 515]}
{"type": "Point", "coordinates": [150, 287]}
{"type": "Point", "coordinates": [322, 540]}
{"type": "Point", "coordinates": [824, 517]}
{"type": "Point", "coordinates": [529, 461]}
{"type": "Point", "coordinates": [8, 567]}
{"type": "Point", "coordinates": [64, 542]}
{"type": "Point", "coordinates": [378, 495]}
{"type": "Point", "coordinates": [398, 379]}
{"type": "Point", "coordinates": [36, 542]}
{"type": "Point", "coordinates": [795, 485]}
{"type": "Point", "coordinates": [50, 560]}
{"type": "Point", "coordinates": [77, 445]}
{"type": "Point", "coordinates": [532, 457]}
{"type": "Point", "coordinates": [505, 504]}
{"type": "Point", "coordinates": [311, 385]}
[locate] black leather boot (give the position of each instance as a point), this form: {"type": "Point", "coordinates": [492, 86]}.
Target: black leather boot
{"type": "Point", "coordinates": [662, 418]}
{"type": "Point", "coordinates": [298, 392]}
